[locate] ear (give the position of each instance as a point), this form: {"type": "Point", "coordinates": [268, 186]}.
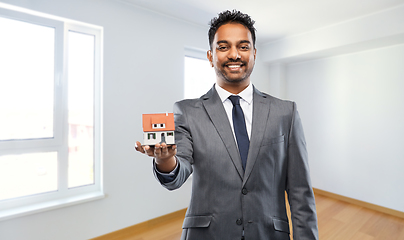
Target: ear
{"type": "Point", "coordinates": [210, 57]}
{"type": "Point", "coordinates": [255, 53]}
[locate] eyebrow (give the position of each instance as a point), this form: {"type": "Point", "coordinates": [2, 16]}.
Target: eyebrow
{"type": "Point", "coordinates": [245, 41]}
{"type": "Point", "coordinates": [225, 41]}
{"type": "Point", "coordinates": [221, 41]}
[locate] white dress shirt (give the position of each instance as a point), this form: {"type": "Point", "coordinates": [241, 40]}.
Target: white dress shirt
{"type": "Point", "coordinates": [246, 103]}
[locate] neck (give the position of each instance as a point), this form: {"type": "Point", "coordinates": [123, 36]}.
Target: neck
{"type": "Point", "coordinates": [234, 88]}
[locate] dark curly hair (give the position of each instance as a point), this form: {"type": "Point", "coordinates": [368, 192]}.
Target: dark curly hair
{"type": "Point", "coordinates": [234, 17]}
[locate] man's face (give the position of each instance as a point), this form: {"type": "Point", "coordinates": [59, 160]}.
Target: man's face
{"type": "Point", "coordinates": [232, 54]}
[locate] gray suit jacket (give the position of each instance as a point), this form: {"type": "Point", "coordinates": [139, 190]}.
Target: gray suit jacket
{"type": "Point", "coordinates": [226, 201]}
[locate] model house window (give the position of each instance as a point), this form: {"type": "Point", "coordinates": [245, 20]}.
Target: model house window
{"type": "Point", "coordinates": [50, 86]}
{"type": "Point", "coordinates": [199, 76]}
{"type": "Point", "coordinates": [159, 126]}
{"type": "Point", "coordinates": [151, 136]}
{"type": "Point", "coordinates": [170, 134]}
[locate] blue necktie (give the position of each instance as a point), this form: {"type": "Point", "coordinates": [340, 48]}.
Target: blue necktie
{"type": "Point", "coordinates": [240, 129]}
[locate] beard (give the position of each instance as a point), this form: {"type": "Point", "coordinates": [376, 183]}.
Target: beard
{"type": "Point", "coordinates": [222, 74]}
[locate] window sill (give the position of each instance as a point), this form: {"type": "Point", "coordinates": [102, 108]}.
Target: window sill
{"type": "Point", "coordinates": [10, 213]}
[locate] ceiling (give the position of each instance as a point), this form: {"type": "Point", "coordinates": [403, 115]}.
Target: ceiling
{"type": "Point", "coordinates": [275, 19]}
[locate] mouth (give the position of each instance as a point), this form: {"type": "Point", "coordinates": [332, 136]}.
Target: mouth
{"type": "Point", "coordinates": [234, 66]}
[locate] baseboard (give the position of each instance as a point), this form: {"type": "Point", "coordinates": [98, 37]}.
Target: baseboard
{"type": "Point", "coordinates": [360, 203]}
{"type": "Point", "coordinates": [143, 226]}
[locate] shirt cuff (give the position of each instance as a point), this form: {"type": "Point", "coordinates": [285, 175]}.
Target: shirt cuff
{"type": "Point", "coordinates": [166, 177]}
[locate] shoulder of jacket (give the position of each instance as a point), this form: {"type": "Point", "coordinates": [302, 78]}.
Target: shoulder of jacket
{"type": "Point", "coordinates": [277, 101]}
{"type": "Point", "coordinates": [188, 103]}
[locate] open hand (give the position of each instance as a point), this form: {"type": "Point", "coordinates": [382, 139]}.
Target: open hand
{"type": "Point", "coordinates": [162, 153]}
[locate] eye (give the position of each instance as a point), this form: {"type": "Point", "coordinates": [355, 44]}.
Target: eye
{"type": "Point", "coordinates": [222, 48]}
{"type": "Point", "coordinates": [245, 48]}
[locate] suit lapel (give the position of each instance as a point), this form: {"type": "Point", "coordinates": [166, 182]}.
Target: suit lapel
{"type": "Point", "coordinates": [214, 108]}
{"type": "Point", "coordinates": [260, 116]}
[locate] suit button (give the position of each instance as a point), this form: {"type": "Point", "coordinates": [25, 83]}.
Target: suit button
{"type": "Point", "coordinates": [244, 191]}
{"type": "Point", "coordinates": [239, 222]}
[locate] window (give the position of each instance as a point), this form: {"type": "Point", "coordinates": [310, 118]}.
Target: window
{"type": "Point", "coordinates": [199, 76]}
{"type": "Point", "coordinates": [159, 126]}
{"type": "Point", "coordinates": [50, 111]}
{"type": "Point", "coordinates": [151, 136]}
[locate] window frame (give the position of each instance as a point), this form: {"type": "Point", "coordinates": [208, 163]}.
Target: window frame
{"type": "Point", "coordinates": [199, 54]}
{"type": "Point", "coordinates": [63, 196]}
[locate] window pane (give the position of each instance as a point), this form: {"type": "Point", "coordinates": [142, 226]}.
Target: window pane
{"type": "Point", "coordinates": [27, 174]}
{"type": "Point", "coordinates": [81, 109]}
{"type": "Point", "coordinates": [26, 80]}
{"type": "Point", "coordinates": [199, 77]}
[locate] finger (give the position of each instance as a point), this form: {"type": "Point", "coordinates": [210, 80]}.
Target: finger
{"type": "Point", "coordinates": [173, 150]}
{"type": "Point", "coordinates": [164, 149]}
{"type": "Point", "coordinates": [138, 147]}
{"type": "Point", "coordinates": [169, 147]}
{"type": "Point", "coordinates": [149, 150]}
{"type": "Point", "coordinates": [157, 149]}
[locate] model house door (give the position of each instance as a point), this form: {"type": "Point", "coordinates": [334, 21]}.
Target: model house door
{"type": "Point", "coordinates": [163, 137]}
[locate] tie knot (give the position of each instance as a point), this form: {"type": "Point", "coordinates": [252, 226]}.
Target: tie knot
{"type": "Point", "coordinates": [235, 99]}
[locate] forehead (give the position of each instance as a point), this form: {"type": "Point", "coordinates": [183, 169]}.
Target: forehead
{"type": "Point", "coordinates": [233, 33]}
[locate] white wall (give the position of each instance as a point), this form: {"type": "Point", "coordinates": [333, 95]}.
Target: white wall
{"type": "Point", "coordinates": [143, 55]}
{"type": "Point", "coordinates": [352, 107]}
{"type": "Point", "coordinates": [347, 80]}
{"type": "Point", "coordinates": [261, 73]}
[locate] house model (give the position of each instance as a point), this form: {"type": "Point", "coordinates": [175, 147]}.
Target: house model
{"type": "Point", "coordinates": [158, 128]}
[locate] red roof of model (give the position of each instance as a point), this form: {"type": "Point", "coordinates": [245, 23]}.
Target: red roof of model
{"type": "Point", "coordinates": [158, 118]}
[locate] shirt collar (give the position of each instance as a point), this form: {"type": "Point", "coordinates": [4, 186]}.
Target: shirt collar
{"type": "Point", "coordinates": [246, 94]}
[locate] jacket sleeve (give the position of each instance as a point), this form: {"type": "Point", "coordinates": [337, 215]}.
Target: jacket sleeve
{"type": "Point", "coordinates": [183, 140]}
{"type": "Point", "coordinates": [299, 189]}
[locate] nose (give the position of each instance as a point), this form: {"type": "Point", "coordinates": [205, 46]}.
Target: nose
{"type": "Point", "coordinates": [234, 53]}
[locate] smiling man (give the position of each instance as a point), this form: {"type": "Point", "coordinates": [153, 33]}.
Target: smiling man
{"type": "Point", "coordinates": [244, 148]}
{"type": "Point", "coordinates": [232, 55]}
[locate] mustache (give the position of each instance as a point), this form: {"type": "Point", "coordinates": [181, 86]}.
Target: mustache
{"type": "Point", "coordinates": [233, 61]}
